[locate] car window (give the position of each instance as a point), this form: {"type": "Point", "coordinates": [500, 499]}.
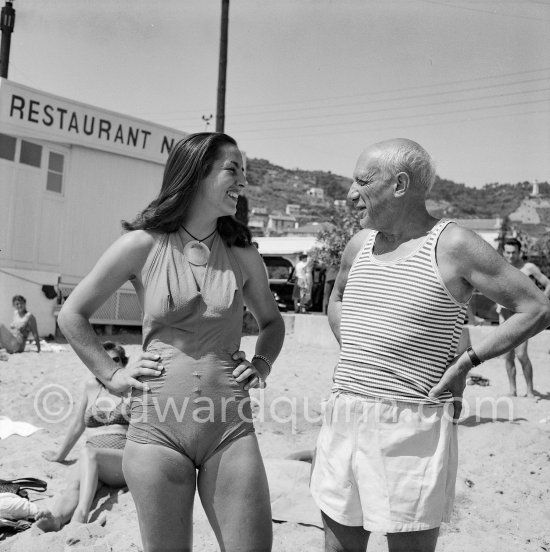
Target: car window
{"type": "Point", "coordinates": [279, 272]}
{"type": "Point", "coordinates": [278, 268]}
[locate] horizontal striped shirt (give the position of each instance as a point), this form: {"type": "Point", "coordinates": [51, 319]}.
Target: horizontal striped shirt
{"type": "Point", "coordinates": [400, 326]}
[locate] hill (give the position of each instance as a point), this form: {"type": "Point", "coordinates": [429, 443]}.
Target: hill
{"type": "Point", "coordinates": [273, 187]}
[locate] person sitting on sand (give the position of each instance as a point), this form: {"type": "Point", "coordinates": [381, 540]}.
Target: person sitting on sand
{"type": "Point", "coordinates": [104, 417]}
{"type": "Point", "coordinates": [14, 339]}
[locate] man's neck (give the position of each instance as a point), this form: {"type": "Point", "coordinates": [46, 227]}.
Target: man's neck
{"type": "Point", "coordinates": [408, 229]}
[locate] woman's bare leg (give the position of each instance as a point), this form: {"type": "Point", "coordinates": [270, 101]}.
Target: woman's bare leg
{"type": "Point", "coordinates": [234, 492]}
{"type": "Point", "coordinates": [8, 340]}
{"type": "Point", "coordinates": [97, 466]}
{"type": "Point", "coordinates": [162, 482]}
{"type": "Point", "coordinates": [64, 505]}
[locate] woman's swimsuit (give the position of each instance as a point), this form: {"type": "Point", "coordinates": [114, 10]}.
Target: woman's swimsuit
{"type": "Point", "coordinates": [106, 428]}
{"type": "Point", "coordinates": [20, 329]}
{"type": "Point", "coordinates": [195, 406]}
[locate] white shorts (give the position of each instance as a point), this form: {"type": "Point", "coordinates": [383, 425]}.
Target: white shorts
{"type": "Point", "coordinates": [387, 466]}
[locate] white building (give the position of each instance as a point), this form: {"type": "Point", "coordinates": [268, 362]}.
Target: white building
{"type": "Point", "coordinates": [288, 247]}
{"type": "Point", "coordinates": [292, 209]}
{"type": "Point", "coordinates": [69, 173]}
{"type": "Point", "coordinates": [316, 194]}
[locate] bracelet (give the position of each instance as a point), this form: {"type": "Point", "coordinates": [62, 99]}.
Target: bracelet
{"type": "Point", "coordinates": [474, 359]}
{"type": "Point", "coordinates": [266, 360]}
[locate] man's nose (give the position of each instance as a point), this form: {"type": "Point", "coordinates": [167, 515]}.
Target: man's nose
{"type": "Point", "coordinates": [353, 194]}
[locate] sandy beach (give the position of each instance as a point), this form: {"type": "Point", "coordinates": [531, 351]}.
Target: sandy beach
{"type": "Point", "coordinates": [503, 486]}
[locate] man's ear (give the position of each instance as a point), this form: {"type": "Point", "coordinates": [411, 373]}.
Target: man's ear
{"type": "Point", "coordinates": [402, 183]}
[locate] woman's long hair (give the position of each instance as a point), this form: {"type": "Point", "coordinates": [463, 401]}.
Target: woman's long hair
{"type": "Point", "coordinates": [189, 162]}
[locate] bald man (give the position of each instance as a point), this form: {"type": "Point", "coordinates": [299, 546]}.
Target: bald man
{"type": "Point", "coordinates": [386, 455]}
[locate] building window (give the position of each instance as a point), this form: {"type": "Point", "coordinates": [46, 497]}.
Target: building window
{"type": "Point", "coordinates": [31, 154]}
{"type": "Point", "coordinates": [55, 173]}
{"type": "Point", "coordinates": [7, 147]}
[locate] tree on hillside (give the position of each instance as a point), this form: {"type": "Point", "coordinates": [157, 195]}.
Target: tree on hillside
{"type": "Point", "coordinates": [333, 240]}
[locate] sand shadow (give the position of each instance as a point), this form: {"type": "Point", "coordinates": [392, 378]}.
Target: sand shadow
{"type": "Point", "coordinates": [106, 503]}
{"type": "Point", "coordinates": [472, 421]}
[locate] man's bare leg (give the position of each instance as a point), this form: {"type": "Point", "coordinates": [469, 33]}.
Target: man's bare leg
{"type": "Point", "coordinates": [413, 541]}
{"type": "Point", "coordinates": [527, 367]}
{"type": "Point", "coordinates": [509, 362]}
{"type": "Point", "coordinates": [344, 538]}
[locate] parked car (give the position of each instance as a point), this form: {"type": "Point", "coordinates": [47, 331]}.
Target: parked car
{"type": "Point", "coordinates": [281, 282]}
{"type": "Point", "coordinates": [280, 272]}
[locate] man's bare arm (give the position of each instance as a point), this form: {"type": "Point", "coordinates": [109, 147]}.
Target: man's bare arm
{"type": "Point", "coordinates": [479, 266]}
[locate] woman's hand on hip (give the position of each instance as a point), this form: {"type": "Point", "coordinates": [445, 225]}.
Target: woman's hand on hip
{"type": "Point", "coordinates": [123, 379]}
{"type": "Point", "coordinates": [246, 372]}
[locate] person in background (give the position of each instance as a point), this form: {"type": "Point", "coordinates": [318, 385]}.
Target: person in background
{"type": "Point", "coordinates": [302, 285]}
{"type": "Point", "coordinates": [386, 456]}
{"type": "Point", "coordinates": [103, 417]}
{"type": "Point", "coordinates": [512, 253]}
{"type": "Point", "coordinates": [14, 339]}
{"type": "Point", "coordinates": [193, 267]}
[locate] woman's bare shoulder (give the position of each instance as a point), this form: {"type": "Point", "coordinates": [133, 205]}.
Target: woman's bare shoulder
{"type": "Point", "coordinates": [250, 261]}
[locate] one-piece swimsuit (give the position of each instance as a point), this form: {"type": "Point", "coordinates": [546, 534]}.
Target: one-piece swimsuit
{"type": "Point", "coordinates": [195, 406]}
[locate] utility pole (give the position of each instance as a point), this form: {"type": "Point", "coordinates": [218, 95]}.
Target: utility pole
{"type": "Point", "coordinates": [7, 21]}
{"type": "Point", "coordinates": [222, 68]}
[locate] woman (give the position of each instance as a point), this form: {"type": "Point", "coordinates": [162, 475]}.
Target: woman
{"type": "Point", "coordinates": [104, 417]}
{"type": "Point", "coordinates": [23, 323]}
{"type": "Point", "coordinates": [192, 265]}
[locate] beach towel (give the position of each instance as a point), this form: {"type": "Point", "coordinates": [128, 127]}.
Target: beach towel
{"type": "Point", "coordinates": [10, 427]}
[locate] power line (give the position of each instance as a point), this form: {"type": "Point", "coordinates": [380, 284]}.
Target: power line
{"type": "Point", "coordinates": [383, 100]}
{"type": "Point", "coordinates": [400, 127]}
{"type": "Point", "coordinates": [447, 5]}
{"type": "Point", "coordinates": [395, 108]}
{"type": "Point", "coordinates": [390, 91]}
{"type": "Point", "coordinates": [382, 119]}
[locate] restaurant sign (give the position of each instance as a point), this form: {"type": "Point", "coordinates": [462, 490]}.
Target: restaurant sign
{"type": "Point", "coordinates": [31, 113]}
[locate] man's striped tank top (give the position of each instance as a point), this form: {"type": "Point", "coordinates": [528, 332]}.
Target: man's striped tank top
{"type": "Point", "coordinates": [400, 326]}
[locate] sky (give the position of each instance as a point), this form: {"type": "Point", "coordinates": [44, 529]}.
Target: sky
{"type": "Point", "coordinates": [311, 83]}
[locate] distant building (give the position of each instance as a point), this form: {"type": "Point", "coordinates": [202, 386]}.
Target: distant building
{"type": "Point", "coordinates": [257, 225]}
{"type": "Point", "coordinates": [278, 225]}
{"type": "Point", "coordinates": [316, 195]}
{"type": "Point", "coordinates": [69, 172]}
{"type": "Point", "coordinates": [340, 203]}
{"type": "Point", "coordinates": [260, 211]}
{"type": "Point", "coordinates": [292, 209]}
{"type": "Point", "coordinates": [288, 247]}
{"type": "Point", "coordinates": [488, 229]}
{"type": "Point", "coordinates": [312, 229]}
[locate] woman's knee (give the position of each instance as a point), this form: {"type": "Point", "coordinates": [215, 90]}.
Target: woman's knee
{"type": "Point", "coordinates": [88, 454]}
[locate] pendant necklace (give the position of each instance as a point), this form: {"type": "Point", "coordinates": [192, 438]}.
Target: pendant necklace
{"type": "Point", "coordinates": [195, 251]}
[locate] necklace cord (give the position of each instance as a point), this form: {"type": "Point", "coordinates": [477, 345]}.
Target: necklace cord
{"type": "Point", "coordinates": [197, 239]}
